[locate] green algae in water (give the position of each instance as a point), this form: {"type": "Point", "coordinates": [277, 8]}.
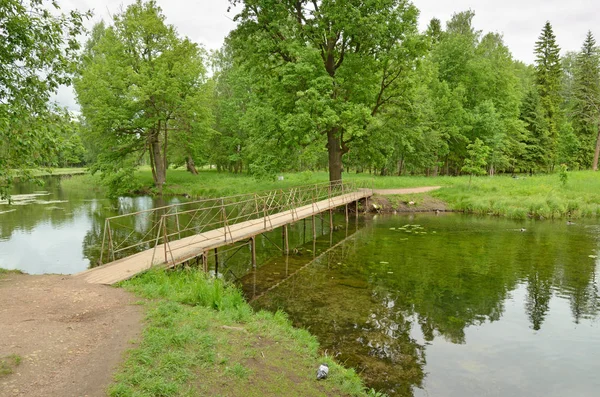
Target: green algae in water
{"type": "Point", "coordinates": [477, 309]}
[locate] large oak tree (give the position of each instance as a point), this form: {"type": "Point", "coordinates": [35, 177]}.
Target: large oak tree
{"type": "Point", "coordinates": [140, 83]}
{"type": "Point", "coordinates": [327, 68]}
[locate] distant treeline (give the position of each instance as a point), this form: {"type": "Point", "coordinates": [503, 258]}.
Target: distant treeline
{"type": "Point", "coordinates": [298, 85]}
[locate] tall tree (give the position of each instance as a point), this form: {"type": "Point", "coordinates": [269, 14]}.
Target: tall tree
{"type": "Point", "coordinates": [332, 66]}
{"type": "Point", "coordinates": [548, 74]}
{"type": "Point", "coordinates": [139, 82]}
{"type": "Point", "coordinates": [38, 49]}
{"type": "Point", "coordinates": [587, 100]}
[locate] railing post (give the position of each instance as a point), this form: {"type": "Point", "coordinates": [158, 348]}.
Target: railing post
{"type": "Point", "coordinates": [165, 237]}
{"type": "Point", "coordinates": [103, 238]}
{"type": "Point", "coordinates": [110, 242]}
{"type": "Point", "coordinates": [177, 221]}
{"type": "Point", "coordinates": [156, 241]}
{"type": "Point", "coordinates": [224, 219]}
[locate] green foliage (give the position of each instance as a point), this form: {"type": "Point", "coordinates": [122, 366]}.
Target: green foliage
{"type": "Point", "coordinates": [476, 161]}
{"type": "Point", "coordinates": [585, 104]}
{"type": "Point", "coordinates": [141, 91]}
{"type": "Point", "coordinates": [548, 74]}
{"type": "Point", "coordinates": [37, 54]}
{"type": "Point", "coordinates": [321, 77]}
{"type": "Point", "coordinates": [563, 174]}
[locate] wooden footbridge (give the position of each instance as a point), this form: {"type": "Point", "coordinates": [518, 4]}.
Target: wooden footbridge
{"type": "Point", "coordinates": [175, 234]}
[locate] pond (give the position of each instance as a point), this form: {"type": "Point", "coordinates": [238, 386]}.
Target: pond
{"type": "Point", "coordinates": [419, 305]}
{"type": "Point", "coordinates": [57, 227]}
{"type": "Point", "coordinates": [451, 305]}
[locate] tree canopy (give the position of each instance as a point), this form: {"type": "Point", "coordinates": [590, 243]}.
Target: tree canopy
{"type": "Point", "coordinates": [38, 49]}
{"type": "Point", "coordinates": [140, 85]}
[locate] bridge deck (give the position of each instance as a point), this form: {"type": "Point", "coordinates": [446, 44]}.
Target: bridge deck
{"type": "Point", "coordinates": [181, 250]}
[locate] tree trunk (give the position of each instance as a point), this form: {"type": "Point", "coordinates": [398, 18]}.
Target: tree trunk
{"type": "Point", "coordinates": [597, 152]}
{"type": "Point", "coordinates": [335, 156]}
{"type": "Point", "coordinates": [191, 167]}
{"type": "Point", "coordinates": [159, 165]}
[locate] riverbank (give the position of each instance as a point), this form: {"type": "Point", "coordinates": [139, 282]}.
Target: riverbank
{"type": "Point", "coordinates": [60, 336]}
{"type": "Point", "coordinates": [202, 338]}
{"type": "Point", "coordinates": [521, 197]}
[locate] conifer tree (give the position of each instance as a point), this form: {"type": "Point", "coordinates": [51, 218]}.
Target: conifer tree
{"type": "Point", "coordinates": [587, 101]}
{"type": "Point", "coordinates": [548, 73]}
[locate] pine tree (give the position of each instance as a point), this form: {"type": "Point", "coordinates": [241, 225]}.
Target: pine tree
{"type": "Point", "coordinates": [548, 73]}
{"type": "Point", "coordinates": [587, 101]}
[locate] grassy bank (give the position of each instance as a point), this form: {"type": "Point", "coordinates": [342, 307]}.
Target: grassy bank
{"type": "Point", "coordinates": [4, 272]}
{"type": "Point", "coordinates": [540, 196]}
{"type": "Point", "coordinates": [202, 338]}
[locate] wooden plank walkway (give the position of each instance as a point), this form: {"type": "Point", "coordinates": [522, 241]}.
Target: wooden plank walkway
{"type": "Point", "coordinates": [179, 251]}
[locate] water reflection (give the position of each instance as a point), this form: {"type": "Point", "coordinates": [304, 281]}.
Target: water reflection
{"type": "Point", "coordinates": [456, 306]}
{"type": "Point", "coordinates": [60, 231]}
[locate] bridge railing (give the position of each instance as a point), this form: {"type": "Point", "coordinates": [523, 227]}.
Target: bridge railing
{"type": "Point", "coordinates": [139, 231]}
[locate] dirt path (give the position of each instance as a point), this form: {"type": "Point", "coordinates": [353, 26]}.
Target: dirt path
{"type": "Point", "coordinates": [69, 334]}
{"type": "Point", "coordinates": [410, 190]}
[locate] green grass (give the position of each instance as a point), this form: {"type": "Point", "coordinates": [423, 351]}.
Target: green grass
{"type": "Point", "coordinates": [4, 272]}
{"type": "Point", "coordinates": [215, 184]}
{"type": "Point", "coordinates": [8, 364]}
{"type": "Point", "coordinates": [202, 338]}
{"type": "Point", "coordinates": [540, 196]}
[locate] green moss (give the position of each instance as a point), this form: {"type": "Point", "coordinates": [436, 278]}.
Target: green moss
{"type": "Point", "coordinates": [8, 364]}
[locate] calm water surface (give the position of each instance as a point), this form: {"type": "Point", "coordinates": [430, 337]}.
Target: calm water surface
{"type": "Point", "coordinates": [427, 305]}
{"type": "Point", "coordinates": [452, 305]}
{"type": "Point", "coordinates": [57, 227]}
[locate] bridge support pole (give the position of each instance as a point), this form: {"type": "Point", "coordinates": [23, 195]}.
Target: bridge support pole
{"type": "Point", "coordinates": [286, 246]}
{"type": "Point", "coordinates": [205, 262]}
{"type": "Point", "coordinates": [253, 250]}
{"type": "Point", "coordinates": [346, 213]}
{"type": "Point", "coordinates": [356, 208]}
{"type": "Point", "coordinates": [314, 227]}
{"type": "Point", "coordinates": [331, 220]}
{"type": "Point", "coordinates": [216, 262]}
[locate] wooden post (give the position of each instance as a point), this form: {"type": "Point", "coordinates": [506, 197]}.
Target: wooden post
{"type": "Point", "coordinates": [356, 214]}
{"type": "Point", "coordinates": [253, 249]}
{"type": "Point", "coordinates": [314, 227]}
{"type": "Point", "coordinates": [346, 213]}
{"type": "Point", "coordinates": [216, 262]}
{"type": "Point", "coordinates": [177, 220]}
{"type": "Point", "coordinates": [205, 262]}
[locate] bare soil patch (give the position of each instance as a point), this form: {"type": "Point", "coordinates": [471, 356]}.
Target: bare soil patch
{"type": "Point", "coordinates": [410, 190]}
{"type": "Point", "coordinates": [404, 203]}
{"type": "Point", "coordinates": [70, 335]}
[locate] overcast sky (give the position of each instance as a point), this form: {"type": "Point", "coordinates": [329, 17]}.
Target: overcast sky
{"type": "Point", "coordinates": [520, 21]}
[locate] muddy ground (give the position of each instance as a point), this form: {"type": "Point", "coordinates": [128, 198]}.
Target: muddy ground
{"type": "Point", "coordinates": [70, 335]}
